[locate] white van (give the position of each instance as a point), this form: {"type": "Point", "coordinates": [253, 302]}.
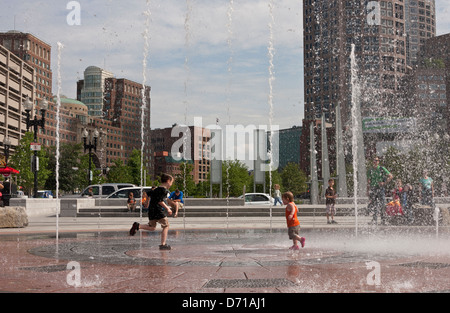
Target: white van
{"type": "Point", "coordinates": [104, 190]}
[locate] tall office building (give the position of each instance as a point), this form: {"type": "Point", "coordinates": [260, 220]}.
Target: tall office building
{"type": "Point", "coordinates": [420, 25]}
{"type": "Point", "coordinates": [386, 36]}
{"type": "Point", "coordinates": [16, 84]}
{"type": "Point", "coordinates": [36, 53]}
{"type": "Point", "coordinates": [90, 90]}
{"type": "Point", "coordinates": [115, 104]}
{"type": "Point", "coordinates": [289, 145]}
{"type": "Point", "coordinates": [164, 140]}
{"type": "Point", "coordinates": [433, 83]}
{"type": "Point", "coordinates": [377, 32]}
{"type": "Point", "coordinates": [122, 106]}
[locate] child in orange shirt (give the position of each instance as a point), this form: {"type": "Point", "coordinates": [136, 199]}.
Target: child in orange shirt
{"type": "Point", "coordinates": [292, 221]}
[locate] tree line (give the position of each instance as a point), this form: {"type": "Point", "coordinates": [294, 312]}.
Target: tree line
{"type": "Point", "coordinates": [74, 165]}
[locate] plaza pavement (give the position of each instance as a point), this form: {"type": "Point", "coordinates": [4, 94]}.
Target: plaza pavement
{"type": "Point", "coordinates": [49, 223]}
{"type": "Point", "coordinates": [233, 256]}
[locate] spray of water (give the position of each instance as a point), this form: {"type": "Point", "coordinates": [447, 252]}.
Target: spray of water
{"type": "Point", "coordinates": [230, 48]}
{"type": "Point", "coordinates": [355, 97]}
{"type": "Point", "coordinates": [147, 14]}
{"type": "Point", "coordinates": [58, 109]}
{"type": "Point", "coordinates": [230, 79]}
{"type": "Point", "coordinates": [187, 43]}
{"type": "Point", "coordinates": [271, 52]}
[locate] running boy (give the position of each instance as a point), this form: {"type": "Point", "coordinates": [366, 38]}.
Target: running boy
{"type": "Point", "coordinates": [157, 211]}
{"type": "Point", "coordinates": [293, 223]}
{"type": "Point", "coordinates": [330, 201]}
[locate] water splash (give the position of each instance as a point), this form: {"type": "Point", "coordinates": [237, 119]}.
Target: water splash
{"type": "Point", "coordinates": [230, 79]}
{"type": "Point", "coordinates": [313, 165]}
{"type": "Point", "coordinates": [58, 121]}
{"type": "Point", "coordinates": [187, 44]}
{"type": "Point", "coordinates": [340, 157]}
{"type": "Point", "coordinates": [271, 53]}
{"type": "Point", "coordinates": [359, 168]}
{"type": "Point", "coordinates": [230, 59]}
{"type": "Point", "coordinates": [147, 14]}
{"type": "Point", "coordinates": [355, 121]}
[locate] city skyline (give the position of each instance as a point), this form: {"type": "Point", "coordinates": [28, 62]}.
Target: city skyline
{"type": "Point", "coordinates": [197, 66]}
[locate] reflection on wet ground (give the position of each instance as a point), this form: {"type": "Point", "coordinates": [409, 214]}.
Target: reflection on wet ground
{"type": "Point", "coordinates": [252, 260]}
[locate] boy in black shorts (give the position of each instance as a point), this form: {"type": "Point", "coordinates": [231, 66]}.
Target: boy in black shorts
{"type": "Point", "coordinates": [158, 211]}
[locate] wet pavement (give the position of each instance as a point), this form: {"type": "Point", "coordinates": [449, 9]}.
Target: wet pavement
{"type": "Point", "coordinates": [251, 260]}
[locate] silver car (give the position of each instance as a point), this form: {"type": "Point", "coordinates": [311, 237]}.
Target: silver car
{"type": "Point", "coordinates": [104, 190]}
{"type": "Point", "coordinates": [257, 198]}
{"type": "Point", "coordinates": [124, 192]}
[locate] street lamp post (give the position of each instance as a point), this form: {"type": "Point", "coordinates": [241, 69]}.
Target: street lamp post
{"type": "Point", "coordinates": [89, 147]}
{"type": "Point", "coordinates": [7, 184]}
{"type": "Point", "coordinates": [6, 146]}
{"type": "Point", "coordinates": [35, 123]}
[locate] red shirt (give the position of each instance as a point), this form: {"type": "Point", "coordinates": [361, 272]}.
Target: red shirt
{"type": "Point", "coordinates": [294, 221]}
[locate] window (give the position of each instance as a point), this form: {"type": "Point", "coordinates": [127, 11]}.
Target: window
{"type": "Point", "coordinates": [95, 191]}
{"type": "Point", "coordinates": [106, 190]}
{"type": "Point", "coordinates": [123, 194]}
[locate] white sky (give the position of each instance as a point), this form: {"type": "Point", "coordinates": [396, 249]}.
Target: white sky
{"type": "Point", "coordinates": [189, 71]}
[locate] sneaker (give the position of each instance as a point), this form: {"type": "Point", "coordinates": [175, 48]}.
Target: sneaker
{"type": "Point", "coordinates": [164, 247]}
{"type": "Point", "coordinates": [134, 228]}
{"type": "Point", "coordinates": [328, 222]}
{"type": "Point", "coordinates": [294, 247]}
{"type": "Point", "coordinates": [333, 222]}
{"type": "Point", "coordinates": [302, 241]}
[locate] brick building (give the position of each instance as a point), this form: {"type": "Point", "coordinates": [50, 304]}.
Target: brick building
{"type": "Point", "coordinates": [198, 142]}
{"type": "Point", "coordinates": [16, 83]}
{"type": "Point", "coordinates": [36, 53]}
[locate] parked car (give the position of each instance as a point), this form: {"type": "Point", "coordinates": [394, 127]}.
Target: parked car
{"type": "Point", "coordinates": [104, 190]}
{"type": "Point", "coordinates": [257, 199]}
{"type": "Point", "coordinates": [124, 192]}
{"type": "Point", "coordinates": [21, 194]}
{"type": "Point", "coordinates": [44, 194]}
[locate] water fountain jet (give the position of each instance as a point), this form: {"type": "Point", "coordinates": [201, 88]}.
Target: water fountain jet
{"type": "Point", "coordinates": [359, 167]}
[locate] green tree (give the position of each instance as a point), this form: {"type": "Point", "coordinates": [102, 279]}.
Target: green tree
{"type": "Point", "coordinates": [134, 167]}
{"type": "Point", "coordinates": [119, 173]}
{"type": "Point", "coordinates": [21, 160]}
{"type": "Point", "coordinates": [293, 179]}
{"type": "Point", "coordinates": [82, 173]}
{"type": "Point", "coordinates": [234, 177]}
{"type": "Point", "coordinates": [186, 182]}
{"type": "Point", "coordinates": [70, 170]}
{"type": "Point", "coordinates": [273, 176]}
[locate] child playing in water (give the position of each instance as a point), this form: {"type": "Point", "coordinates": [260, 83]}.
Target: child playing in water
{"type": "Point", "coordinates": [292, 221]}
{"type": "Point", "coordinates": [277, 195]}
{"type": "Point", "coordinates": [158, 211]}
{"type": "Point", "coordinates": [330, 196]}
